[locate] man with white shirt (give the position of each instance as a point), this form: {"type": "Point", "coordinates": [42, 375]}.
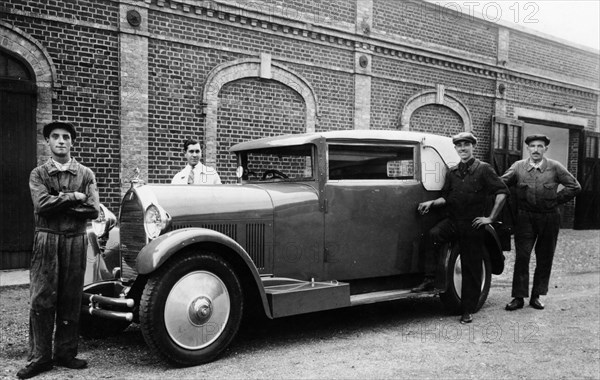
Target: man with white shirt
{"type": "Point", "coordinates": [195, 173]}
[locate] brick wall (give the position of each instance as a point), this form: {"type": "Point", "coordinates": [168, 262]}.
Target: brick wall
{"type": "Point", "coordinates": [335, 92]}
{"type": "Point", "coordinates": [433, 24]}
{"type": "Point", "coordinates": [322, 11]}
{"type": "Point", "coordinates": [251, 109]}
{"type": "Point", "coordinates": [87, 65]}
{"type": "Point", "coordinates": [558, 58]}
{"type": "Point", "coordinates": [185, 43]}
{"type": "Point", "coordinates": [388, 98]}
{"type": "Point", "coordinates": [176, 76]}
{"type": "Point", "coordinates": [431, 117]}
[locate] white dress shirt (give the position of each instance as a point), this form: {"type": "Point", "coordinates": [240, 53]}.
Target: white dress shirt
{"type": "Point", "coordinates": [203, 175]}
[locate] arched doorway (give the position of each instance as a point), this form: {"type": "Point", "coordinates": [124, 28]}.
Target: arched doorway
{"type": "Point", "coordinates": [18, 156]}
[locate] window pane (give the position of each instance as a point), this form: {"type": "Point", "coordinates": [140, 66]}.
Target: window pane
{"type": "Point", "coordinates": [282, 164]}
{"type": "Point", "coordinates": [500, 136]}
{"type": "Point", "coordinates": [514, 142]}
{"type": "Point", "coordinates": [591, 150]}
{"type": "Point", "coordinates": [371, 162]}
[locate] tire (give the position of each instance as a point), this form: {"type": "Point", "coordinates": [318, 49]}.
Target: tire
{"type": "Point", "coordinates": [451, 297]}
{"type": "Point", "coordinates": [191, 308]}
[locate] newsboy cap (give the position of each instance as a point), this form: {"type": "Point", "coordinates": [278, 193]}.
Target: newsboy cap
{"type": "Point", "coordinates": [464, 136]}
{"type": "Point", "coordinates": [48, 128]}
{"type": "Point", "coordinates": [540, 137]}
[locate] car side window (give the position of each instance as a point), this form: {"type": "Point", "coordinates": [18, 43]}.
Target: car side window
{"type": "Point", "coordinates": [291, 163]}
{"type": "Point", "coordinates": [378, 162]}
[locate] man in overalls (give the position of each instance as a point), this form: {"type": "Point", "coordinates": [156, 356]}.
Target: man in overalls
{"type": "Point", "coordinates": [65, 197]}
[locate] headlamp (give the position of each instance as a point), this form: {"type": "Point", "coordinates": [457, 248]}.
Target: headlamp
{"type": "Point", "coordinates": [156, 221]}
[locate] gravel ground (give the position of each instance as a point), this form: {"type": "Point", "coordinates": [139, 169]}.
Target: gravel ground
{"type": "Point", "coordinates": [410, 338]}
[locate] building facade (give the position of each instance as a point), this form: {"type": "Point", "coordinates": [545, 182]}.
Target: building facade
{"type": "Point", "coordinates": [137, 77]}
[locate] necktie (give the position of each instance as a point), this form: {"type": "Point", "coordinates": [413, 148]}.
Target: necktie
{"type": "Point", "coordinates": [191, 177]}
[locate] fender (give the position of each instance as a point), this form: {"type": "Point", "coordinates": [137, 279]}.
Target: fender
{"type": "Point", "coordinates": [492, 242]}
{"type": "Point", "coordinates": [159, 250]}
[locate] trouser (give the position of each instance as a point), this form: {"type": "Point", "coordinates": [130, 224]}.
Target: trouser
{"type": "Point", "coordinates": [470, 242]}
{"type": "Point", "coordinates": [56, 286]}
{"type": "Point", "coordinates": [539, 230]}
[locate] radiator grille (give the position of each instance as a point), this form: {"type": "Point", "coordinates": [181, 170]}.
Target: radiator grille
{"type": "Point", "coordinates": [226, 229]}
{"type": "Point", "coordinates": [255, 243]}
{"type": "Point", "coordinates": [132, 234]}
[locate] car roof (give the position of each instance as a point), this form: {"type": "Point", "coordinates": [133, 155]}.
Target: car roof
{"type": "Point", "coordinates": [441, 143]}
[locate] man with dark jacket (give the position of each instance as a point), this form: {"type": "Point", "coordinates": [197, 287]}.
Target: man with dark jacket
{"type": "Point", "coordinates": [536, 180]}
{"type": "Point", "coordinates": [466, 188]}
{"type": "Point", "coordinates": [64, 196]}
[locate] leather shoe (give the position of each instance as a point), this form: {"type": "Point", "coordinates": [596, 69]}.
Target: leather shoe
{"type": "Point", "coordinates": [33, 369]}
{"type": "Point", "coordinates": [72, 363]}
{"type": "Point", "coordinates": [535, 303]}
{"type": "Point", "coordinates": [516, 303]}
{"type": "Point", "coordinates": [425, 286]}
{"type": "Point", "coordinates": [466, 318]}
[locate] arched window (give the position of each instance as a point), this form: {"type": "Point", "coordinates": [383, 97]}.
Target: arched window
{"type": "Point", "coordinates": [11, 68]}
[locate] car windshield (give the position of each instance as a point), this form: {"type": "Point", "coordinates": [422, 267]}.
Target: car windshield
{"type": "Point", "coordinates": [290, 163]}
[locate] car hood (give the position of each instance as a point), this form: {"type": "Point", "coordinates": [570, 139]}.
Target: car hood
{"type": "Point", "coordinates": [186, 203]}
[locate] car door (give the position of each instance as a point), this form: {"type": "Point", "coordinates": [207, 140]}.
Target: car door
{"type": "Point", "coordinates": [372, 226]}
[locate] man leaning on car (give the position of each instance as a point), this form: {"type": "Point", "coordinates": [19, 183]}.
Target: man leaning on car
{"type": "Point", "coordinates": [466, 188]}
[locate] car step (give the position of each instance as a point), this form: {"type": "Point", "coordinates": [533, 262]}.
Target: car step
{"type": "Point", "coordinates": [289, 297]}
{"type": "Point", "coordinates": [387, 295]}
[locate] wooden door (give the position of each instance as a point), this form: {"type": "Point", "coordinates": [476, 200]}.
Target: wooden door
{"type": "Point", "coordinates": [18, 158]}
{"type": "Point", "coordinates": [587, 203]}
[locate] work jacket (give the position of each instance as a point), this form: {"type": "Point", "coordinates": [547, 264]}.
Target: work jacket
{"type": "Point", "coordinates": [537, 188]}
{"type": "Point", "coordinates": [55, 207]}
{"type": "Point", "coordinates": [466, 195]}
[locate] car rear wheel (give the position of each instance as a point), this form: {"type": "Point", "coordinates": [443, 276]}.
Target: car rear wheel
{"type": "Point", "coordinates": [451, 298]}
{"type": "Point", "coordinates": [191, 308]}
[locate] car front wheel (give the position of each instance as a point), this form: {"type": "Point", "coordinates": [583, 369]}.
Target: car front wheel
{"type": "Point", "coordinates": [451, 298]}
{"type": "Point", "coordinates": [191, 308]}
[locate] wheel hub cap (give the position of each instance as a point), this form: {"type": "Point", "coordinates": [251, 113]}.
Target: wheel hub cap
{"type": "Point", "coordinates": [197, 310]}
{"type": "Point", "coordinates": [200, 310]}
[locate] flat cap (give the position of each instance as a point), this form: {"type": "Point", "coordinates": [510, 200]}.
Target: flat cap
{"type": "Point", "coordinates": [464, 136]}
{"type": "Point", "coordinates": [540, 137]}
{"type": "Point", "coordinates": [48, 128]}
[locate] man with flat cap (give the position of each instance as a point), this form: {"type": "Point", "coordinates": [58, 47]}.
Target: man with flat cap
{"type": "Point", "coordinates": [65, 197]}
{"type": "Point", "coordinates": [466, 189]}
{"type": "Point", "coordinates": [536, 180]}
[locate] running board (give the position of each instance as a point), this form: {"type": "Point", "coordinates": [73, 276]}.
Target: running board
{"type": "Point", "coordinates": [292, 297]}
{"type": "Point", "coordinates": [387, 295]}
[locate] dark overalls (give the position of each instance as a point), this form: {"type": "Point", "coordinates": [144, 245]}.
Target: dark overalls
{"type": "Point", "coordinates": [466, 189]}
{"type": "Point", "coordinates": [59, 257]}
{"type": "Point", "coordinates": [538, 220]}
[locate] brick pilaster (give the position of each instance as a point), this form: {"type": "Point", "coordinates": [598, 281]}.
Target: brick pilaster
{"type": "Point", "coordinates": [133, 46]}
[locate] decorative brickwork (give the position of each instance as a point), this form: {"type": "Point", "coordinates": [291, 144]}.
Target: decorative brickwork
{"type": "Point", "coordinates": [430, 117]}
{"type": "Point", "coordinates": [251, 108]}
{"type": "Point", "coordinates": [436, 97]}
{"type": "Point", "coordinates": [251, 68]}
{"type": "Point", "coordinates": [29, 50]}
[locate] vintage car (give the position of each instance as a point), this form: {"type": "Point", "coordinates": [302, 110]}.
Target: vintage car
{"type": "Point", "coordinates": [315, 221]}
